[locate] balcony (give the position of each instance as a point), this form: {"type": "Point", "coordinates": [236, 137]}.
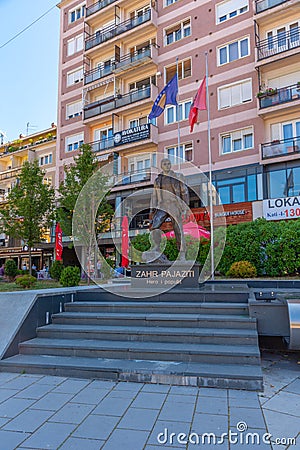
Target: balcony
{"type": "Point", "coordinates": [137, 176]}
{"type": "Point", "coordinates": [98, 6]}
{"type": "Point", "coordinates": [263, 5]}
{"type": "Point", "coordinates": [126, 62]}
{"type": "Point", "coordinates": [12, 173]}
{"type": "Point", "coordinates": [278, 44]}
{"type": "Point", "coordinates": [115, 30]}
{"type": "Point", "coordinates": [111, 103]}
{"type": "Point", "coordinates": [102, 145]}
{"type": "Point", "coordinates": [282, 95]}
{"type": "Point", "coordinates": [280, 148]}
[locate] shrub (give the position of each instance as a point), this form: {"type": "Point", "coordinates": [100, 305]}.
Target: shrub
{"type": "Point", "coordinates": [70, 276]}
{"type": "Point", "coordinates": [242, 269]}
{"type": "Point", "coordinates": [56, 270]}
{"type": "Point", "coordinates": [10, 269]}
{"type": "Point", "coordinates": [25, 281]}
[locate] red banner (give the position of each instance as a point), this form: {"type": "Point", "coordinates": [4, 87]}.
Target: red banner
{"type": "Point", "coordinates": [125, 242]}
{"type": "Point", "coordinates": [58, 243]}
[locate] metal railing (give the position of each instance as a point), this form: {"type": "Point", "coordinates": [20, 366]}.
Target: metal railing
{"type": "Point", "coordinates": [10, 174]}
{"type": "Point", "coordinates": [117, 66]}
{"type": "Point", "coordinates": [102, 144]}
{"type": "Point", "coordinates": [102, 106]}
{"type": "Point", "coordinates": [278, 44]}
{"type": "Point", "coordinates": [282, 95]}
{"type": "Point", "coordinates": [263, 5]}
{"type": "Point", "coordinates": [280, 148]}
{"type": "Point", "coordinates": [114, 30]}
{"type": "Point", "coordinates": [98, 6]}
{"type": "Point", "coordinates": [137, 176]}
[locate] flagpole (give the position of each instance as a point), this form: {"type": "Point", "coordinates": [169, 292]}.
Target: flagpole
{"type": "Point", "coordinates": [211, 213]}
{"type": "Point", "coordinates": [177, 114]}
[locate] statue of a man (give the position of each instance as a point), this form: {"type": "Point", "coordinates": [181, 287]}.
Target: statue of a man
{"type": "Point", "coordinates": [170, 198]}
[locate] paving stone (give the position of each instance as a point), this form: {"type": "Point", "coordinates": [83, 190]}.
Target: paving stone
{"type": "Point", "coordinates": [247, 403]}
{"type": "Point", "coordinates": [10, 439]}
{"type": "Point", "coordinates": [138, 419]}
{"type": "Point", "coordinates": [149, 400]}
{"type": "Point", "coordinates": [281, 425]}
{"type": "Point", "coordinates": [160, 447]}
{"type": "Point", "coordinates": [71, 386]}
{"type": "Point", "coordinates": [6, 376]}
{"type": "Point", "coordinates": [28, 421]}
{"type": "Point", "coordinates": [99, 384]}
{"type": "Point", "coordinates": [208, 423]}
{"type": "Point", "coordinates": [181, 413]}
{"type": "Point", "coordinates": [14, 406]}
{"type": "Point", "coordinates": [174, 398]}
{"type": "Point", "coordinates": [35, 391]}
{"type": "Point", "coordinates": [286, 402]}
{"type": "Point", "coordinates": [241, 395]}
{"type": "Point", "coordinates": [164, 429]}
{"type": "Point", "coordinates": [212, 392]}
{"type": "Point", "coordinates": [7, 393]}
{"type": "Point", "coordinates": [90, 396]}
{"type": "Point", "coordinates": [133, 440]}
{"type": "Point", "coordinates": [206, 446]}
{"type": "Point", "coordinates": [52, 402]}
{"type": "Point", "coordinates": [49, 379]}
{"type": "Point", "coordinates": [162, 388]}
{"type": "Point", "coordinates": [184, 390]}
{"type": "Point", "coordinates": [49, 436]}
{"type": "Point", "coordinates": [127, 386]}
{"type": "Point", "coordinates": [112, 406]}
{"type": "Point", "coordinates": [72, 413]}
{"type": "Point", "coordinates": [82, 444]}
{"type": "Point", "coordinates": [96, 427]}
{"type": "Point", "coordinates": [3, 421]}
{"type": "Point", "coordinates": [122, 394]}
{"type": "Point", "coordinates": [252, 417]}
{"type": "Point", "coordinates": [207, 406]}
{"type": "Point", "coordinates": [19, 383]}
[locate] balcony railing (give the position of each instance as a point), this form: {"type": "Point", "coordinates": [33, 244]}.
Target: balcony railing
{"type": "Point", "coordinates": [283, 95]}
{"type": "Point", "coordinates": [102, 145]}
{"type": "Point", "coordinates": [10, 174]}
{"type": "Point", "coordinates": [102, 106]}
{"type": "Point", "coordinates": [130, 59]}
{"type": "Point", "coordinates": [263, 5]}
{"type": "Point", "coordinates": [280, 148]}
{"type": "Point", "coordinates": [115, 30]}
{"type": "Point", "coordinates": [138, 176]}
{"type": "Point", "coordinates": [278, 44]}
{"type": "Point", "coordinates": [98, 6]}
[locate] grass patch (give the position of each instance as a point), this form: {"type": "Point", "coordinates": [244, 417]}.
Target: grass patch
{"type": "Point", "coordinates": [40, 284]}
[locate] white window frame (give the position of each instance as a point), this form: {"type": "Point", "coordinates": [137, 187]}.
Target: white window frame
{"type": "Point", "coordinates": [73, 109]}
{"type": "Point", "coordinates": [186, 147]}
{"type": "Point", "coordinates": [73, 142]}
{"type": "Point", "coordinates": [174, 108]}
{"type": "Point", "coordinates": [182, 26]}
{"type": "Point", "coordinates": [242, 96]}
{"type": "Point", "coordinates": [76, 13]}
{"type": "Point", "coordinates": [75, 44]}
{"type": "Point", "coordinates": [42, 160]}
{"type": "Point", "coordinates": [169, 2]}
{"type": "Point", "coordinates": [236, 135]}
{"type": "Point", "coordinates": [239, 50]}
{"type": "Point", "coordinates": [235, 9]}
{"type": "Point", "coordinates": [74, 76]}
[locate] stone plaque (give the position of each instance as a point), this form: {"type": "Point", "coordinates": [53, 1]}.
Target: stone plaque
{"type": "Point", "coordinates": [158, 276]}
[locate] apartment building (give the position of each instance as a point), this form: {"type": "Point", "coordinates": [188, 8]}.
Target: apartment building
{"type": "Point", "coordinates": [41, 146]}
{"type": "Point", "coordinates": [116, 55]}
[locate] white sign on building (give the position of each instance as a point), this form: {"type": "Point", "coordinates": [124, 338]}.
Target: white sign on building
{"type": "Point", "coordinates": [281, 208]}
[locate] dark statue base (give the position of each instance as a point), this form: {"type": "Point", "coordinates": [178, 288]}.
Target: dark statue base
{"type": "Point", "coordinates": [158, 275]}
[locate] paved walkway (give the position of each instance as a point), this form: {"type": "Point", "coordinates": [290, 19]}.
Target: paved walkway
{"type": "Point", "coordinates": [45, 412]}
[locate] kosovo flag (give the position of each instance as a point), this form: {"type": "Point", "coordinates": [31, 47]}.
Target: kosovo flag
{"type": "Point", "coordinates": [166, 97]}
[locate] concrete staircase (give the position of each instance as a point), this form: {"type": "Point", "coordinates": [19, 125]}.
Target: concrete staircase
{"type": "Point", "coordinates": [182, 339]}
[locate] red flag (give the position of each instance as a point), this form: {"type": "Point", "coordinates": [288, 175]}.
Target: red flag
{"type": "Point", "coordinates": [199, 103]}
{"type": "Point", "coordinates": [58, 243]}
{"type": "Point", "coordinates": [125, 242]}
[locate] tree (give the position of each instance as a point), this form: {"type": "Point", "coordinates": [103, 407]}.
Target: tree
{"type": "Point", "coordinates": [29, 210]}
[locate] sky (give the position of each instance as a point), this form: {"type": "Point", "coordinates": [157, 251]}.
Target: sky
{"type": "Point", "coordinates": [28, 66]}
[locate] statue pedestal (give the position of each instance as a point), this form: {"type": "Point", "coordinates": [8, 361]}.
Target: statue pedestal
{"type": "Point", "coordinates": [159, 276]}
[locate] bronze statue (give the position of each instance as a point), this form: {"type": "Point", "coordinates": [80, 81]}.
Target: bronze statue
{"type": "Point", "coordinates": [170, 198]}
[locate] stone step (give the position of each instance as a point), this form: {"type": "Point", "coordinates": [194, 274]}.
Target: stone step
{"type": "Point", "coordinates": [232, 376]}
{"type": "Point", "coordinates": [156, 320]}
{"type": "Point", "coordinates": [158, 307]}
{"type": "Point", "coordinates": [159, 351]}
{"type": "Point", "coordinates": [150, 334]}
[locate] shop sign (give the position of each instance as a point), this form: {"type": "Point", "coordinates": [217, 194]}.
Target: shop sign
{"type": "Point", "coordinates": [281, 208]}
{"type": "Point", "coordinates": [132, 135]}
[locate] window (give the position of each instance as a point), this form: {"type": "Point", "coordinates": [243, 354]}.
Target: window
{"type": "Point", "coordinates": [75, 76]}
{"type": "Point", "coordinates": [177, 32]}
{"type": "Point", "coordinates": [237, 140]}
{"type": "Point", "coordinates": [170, 2]}
{"type": "Point", "coordinates": [75, 44]}
{"type": "Point", "coordinates": [283, 182]}
{"type": "Point", "coordinates": [231, 8]}
{"type": "Point", "coordinates": [77, 13]}
{"type": "Point", "coordinates": [74, 109]}
{"type": "Point", "coordinates": [183, 110]}
{"type": "Point", "coordinates": [284, 38]}
{"type": "Point", "coordinates": [138, 122]}
{"type": "Point", "coordinates": [233, 51]}
{"type": "Point", "coordinates": [185, 153]}
{"type": "Point", "coordinates": [41, 161]}
{"type": "Point", "coordinates": [74, 142]}
{"type": "Point", "coordinates": [235, 94]}
{"type": "Point", "coordinates": [184, 70]}
{"type": "Point", "coordinates": [46, 159]}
